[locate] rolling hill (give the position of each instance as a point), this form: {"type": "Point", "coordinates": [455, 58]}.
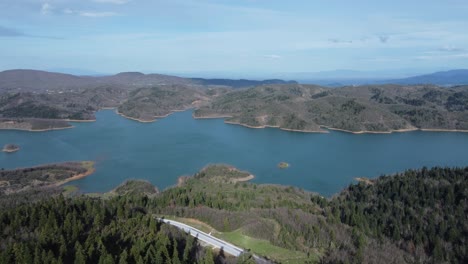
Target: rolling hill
{"type": "Point", "coordinates": [379, 108]}
{"type": "Point", "coordinates": [373, 108]}
{"type": "Point", "coordinates": [41, 81]}
{"type": "Point", "coordinates": [239, 83]}
{"type": "Point", "coordinates": [50, 82]}
{"type": "Point", "coordinates": [446, 78]}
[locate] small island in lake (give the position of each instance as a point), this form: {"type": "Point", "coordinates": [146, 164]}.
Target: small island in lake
{"type": "Point", "coordinates": [9, 148]}
{"type": "Point", "coordinates": [283, 165]}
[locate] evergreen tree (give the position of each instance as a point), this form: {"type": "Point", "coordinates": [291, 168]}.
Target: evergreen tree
{"type": "Point", "coordinates": [79, 254]}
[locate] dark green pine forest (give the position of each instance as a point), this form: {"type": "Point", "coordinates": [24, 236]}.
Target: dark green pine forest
{"type": "Point", "coordinates": [418, 216]}
{"type": "Point", "coordinates": [88, 230]}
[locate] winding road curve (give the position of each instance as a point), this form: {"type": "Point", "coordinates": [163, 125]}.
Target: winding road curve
{"type": "Point", "coordinates": [211, 240]}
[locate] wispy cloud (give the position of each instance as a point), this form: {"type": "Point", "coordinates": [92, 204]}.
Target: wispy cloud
{"type": "Point", "coordinates": [46, 8]}
{"type": "Point", "coordinates": [272, 56]}
{"type": "Point", "coordinates": [98, 14]}
{"type": "Point", "coordinates": [337, 41]}
{"type": "Point", "coordinates": [69, 11]}
{"type": "Point", "coordinates": [450, 49]}
{"type": "Point", "coordinates": [442, 56]}
{"type": "Point", "coordinates": [116, 2]}
{"type": "Point", "coordinates": [382, 59]}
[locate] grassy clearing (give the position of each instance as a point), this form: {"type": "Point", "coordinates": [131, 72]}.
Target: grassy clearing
{"type": "Point", "coordinates": [69, 190]}
{"type": "Point", "coordinates": [265, 248]}
{"type": "Point", "coordinates": [258, 246]}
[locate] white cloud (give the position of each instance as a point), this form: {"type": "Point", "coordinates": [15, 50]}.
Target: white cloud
{"type": "Point", "coordinates": [117, 2]}
{"type": "Point", "coordinates": [69, 11]}
{"type": "Point", "coordinates": [46, 8]}
{"type": "Point", "coordinates": [450, 49]}
{"type": "Point", "coordinates": [443, 57]}
{"type": "Point", "coordinates": [97, 14]}
{"type": "Point", "coordinates": [272, 56]}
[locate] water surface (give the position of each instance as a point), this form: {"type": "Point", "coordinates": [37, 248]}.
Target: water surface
{"type": "Point", "coordinates": [180, 145]}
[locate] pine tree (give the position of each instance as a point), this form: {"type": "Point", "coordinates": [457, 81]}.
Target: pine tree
{"type": "Point", "coordinates": [175, 253]}
{"type": "Point", "coordinates": [80, 257]}
{"type": "Point", "coordinates": [123, 257]}
{"type": "Point", "coordinates": [188, 249]}
{"type": "Point", "coordinates": [208, 259]}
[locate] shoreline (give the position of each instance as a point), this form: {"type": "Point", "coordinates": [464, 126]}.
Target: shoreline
{"type": "Point", "coordinates": [349, 131]}
{"type": "Point", "coordinates": [38, 130]}
{"type": "Point", "coordinates": [326, 130]}
{"type": "Point", "coordinates": [60, 128]}
{"type": "Point", "coordinates": [147, 121]}
{"type": "Point", "coordinates": [281, 128]}
{"type": "Point", "coordinates": [210, 117]}
{"type": "Point", "coordinates": [10, 150]}
{"type": "Point", "coordinates": [76, 177]}
{"type": "Point", "coordinates": [79, 120]}
{"type": "Point", "coordinates": [443, 130]}
{"type": "Point", "coordinates": [372, 132]}
{"type": "Point", "coordinates": [134, 119]}
{"type": "Point", "coordinates": [52, 128]}
{"type": "Point", "coordinates": [334, 129]}
{"type": "Point", "coordinates": [398, 130]}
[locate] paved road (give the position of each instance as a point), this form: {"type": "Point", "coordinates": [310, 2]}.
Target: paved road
{"type": "Point", "coordinates": [207, 238]}
{"type": "Point", "coordinates": [211, 240]}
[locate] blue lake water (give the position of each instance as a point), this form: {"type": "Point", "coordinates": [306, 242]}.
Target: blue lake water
{"type": "Point", "coordinates": [180, 145]}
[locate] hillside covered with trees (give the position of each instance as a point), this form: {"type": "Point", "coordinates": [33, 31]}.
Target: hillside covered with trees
{"type": "Point", "coordinates": [87, 230]}
{"type": "Point", "coordinates": [274, 103]}
{"type": "Point", "coordinates": [416, 216]}
{"type": "Point", "coordinates": [368, 108]}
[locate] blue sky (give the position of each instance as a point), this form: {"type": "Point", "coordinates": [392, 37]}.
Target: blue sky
{"type": "Point", "coordinates": [242, 36]}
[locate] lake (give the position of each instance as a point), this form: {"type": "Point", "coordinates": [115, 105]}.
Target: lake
{"type": "Point", "coordinates": [179, 145]}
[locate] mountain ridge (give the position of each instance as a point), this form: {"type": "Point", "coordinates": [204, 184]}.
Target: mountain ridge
{"type": "Point", "coordinates": [28, 80]}
{"type": "Point", "coordinates": [446, 78]}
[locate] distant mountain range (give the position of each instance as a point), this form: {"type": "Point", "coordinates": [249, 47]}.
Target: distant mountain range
{"type": "Point", "coordinates": [347, 77]}
{"type": "Point", "coordinates": [43, 81]}
{"type": "Point", "coordinates": [239, 83]}
{"type": "Point", "coordinates": [452, 77]}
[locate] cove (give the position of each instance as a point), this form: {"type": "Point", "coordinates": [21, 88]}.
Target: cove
{"type": "Point", "coordinates": [179, 145]}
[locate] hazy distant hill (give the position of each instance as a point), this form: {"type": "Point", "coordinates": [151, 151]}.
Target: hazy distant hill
{"type": "Point", "coordinates": [452, 77]}
{"type": "Point", "coordinates": [42, 81]}
{"type": "Point", "coordinates": [347, 77]}
{"type": "Point", "coordinates": [239, 83]}
{"type": "Point", "coordinates": [138, 79]}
